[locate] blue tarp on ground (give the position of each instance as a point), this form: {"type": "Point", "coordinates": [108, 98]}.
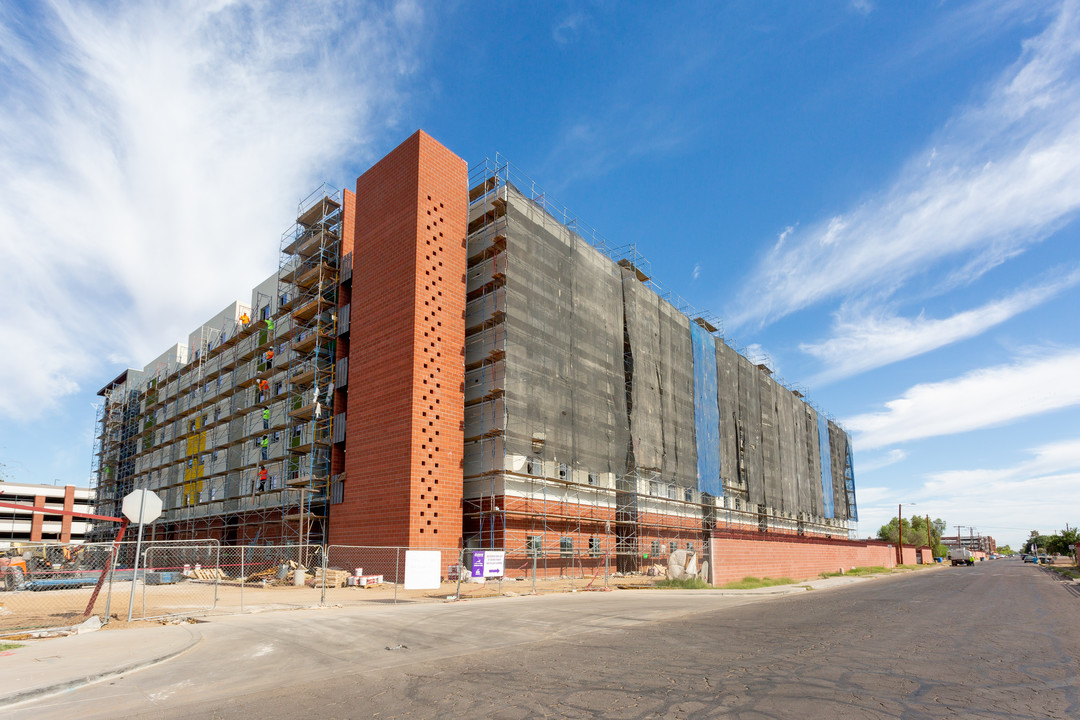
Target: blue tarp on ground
{"type": "Point", "coordinates": [706, 411]}
{"type": "Point", "coordinates": [849, 483]}
{"type": "Point", "coordinates": [826, 465]}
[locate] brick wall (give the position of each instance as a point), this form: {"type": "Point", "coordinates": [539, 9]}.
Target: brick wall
{"type": "Point", "coordinates": [406, 352]}
{"type": "Point", "coordinates": [737, 555]}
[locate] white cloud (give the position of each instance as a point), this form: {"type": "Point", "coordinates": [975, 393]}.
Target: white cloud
{"type": "Point", "coordinates": [150, 157]}
{"type": "Point", "coordinates": [1040, 493]}
{"type": "Point", "coordinates": [863, 340]}
{"type": "Point", "coordinates": [1005, 174]}
{"type": "Point", "coordinates": [863, 7]}
{"type": "Point", "coordinates": [696, 272]}
{"type": "Point", "coordinates": [876, 463]}
{"type": "Point", "coordinates": [784, 236]}
{"type": "Point", "coordinates": [979, 399]}
{"type": "Point", "coordinates": [567, 28]}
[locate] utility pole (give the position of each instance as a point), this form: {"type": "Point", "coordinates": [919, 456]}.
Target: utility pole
{"type": "Point", "coordinates": [900, 534]}
{"type": "Point", "coordinates": [929, 539]}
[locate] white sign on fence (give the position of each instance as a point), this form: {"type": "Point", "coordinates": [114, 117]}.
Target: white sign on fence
{"type": "Point", "coordinates": [423, 569]}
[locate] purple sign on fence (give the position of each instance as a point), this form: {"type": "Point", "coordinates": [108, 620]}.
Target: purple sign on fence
{"type": "Point", "coordinates": [488, 563]}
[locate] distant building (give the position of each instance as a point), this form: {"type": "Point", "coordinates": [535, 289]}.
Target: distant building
{"type": "Point", "coordinates": [27, 526]}
{"type": "Point", "coordinates": [975, 543]}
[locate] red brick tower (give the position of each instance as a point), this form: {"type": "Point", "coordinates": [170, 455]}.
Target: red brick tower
{"type": "Point", "coordinates": [404, 435]}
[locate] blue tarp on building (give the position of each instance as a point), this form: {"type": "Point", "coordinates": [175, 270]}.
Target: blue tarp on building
{"type": "Point", "coordinates": [849, 483]}
{"type": "Point", "coordinates": [826, 465]}
{"type": "Point", "coordinates": [706, 411]}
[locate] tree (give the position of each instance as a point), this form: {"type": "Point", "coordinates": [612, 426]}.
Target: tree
{"type": "Point", "coordinates": [1059, 544]}
{"type": "Point", "coordinates": [1040, 542]}
{"type": "Point", "coordinates": [1005, 550]}
{"type": "Point", "coordinates": [915, 535]}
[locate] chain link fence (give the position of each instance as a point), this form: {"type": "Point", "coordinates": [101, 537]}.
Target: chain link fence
{"type": "Point", "coordinates": [59, 586]}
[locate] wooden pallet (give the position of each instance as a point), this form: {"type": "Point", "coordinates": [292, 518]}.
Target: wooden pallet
{"type": "Point", "coordinates": [208, 574]}
{"type": "Point", "coordinates": [334, 578]}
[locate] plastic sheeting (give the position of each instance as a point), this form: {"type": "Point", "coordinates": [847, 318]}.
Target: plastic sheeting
{"type": "Point", "coordinates": [826, 466]}
{"type": "Point", "coordinates": [849, 483]}
{"type": "Point", "coordinates": [706, 411]}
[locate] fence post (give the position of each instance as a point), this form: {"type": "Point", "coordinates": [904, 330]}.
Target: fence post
{"type": "Point", "coordinates": [146, 554]}
{"type": "Point", "coordinates": [534, 572]}
{"type": "Point", "coordinates": [325, 548]}
{"type": "Point", "coordinates": [243, 578]}
{"type": "Point", "coordinates": [460, 571]}
{"type": "Point", "coordinates": [217, 575]}
{"type": "Point", "coordinates": [397, 564]}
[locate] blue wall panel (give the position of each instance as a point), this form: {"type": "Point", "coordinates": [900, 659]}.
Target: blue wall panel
{"type": "Point", "coordinates": [706, 411]}
{"type": "Point", "coordinates": [849, 483]}
{"type": "Point", "coordinates": [826, 465]}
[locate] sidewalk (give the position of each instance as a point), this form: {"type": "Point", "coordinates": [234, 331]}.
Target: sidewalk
{"type": "Point", "coordinates": [46, 667]}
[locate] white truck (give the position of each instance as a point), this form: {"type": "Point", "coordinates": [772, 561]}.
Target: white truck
{"type": "Point", "coordinates": [961, 556]}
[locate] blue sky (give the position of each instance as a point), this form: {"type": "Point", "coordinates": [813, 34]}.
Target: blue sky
{"type": "Point", "coordinates": [880, 198]}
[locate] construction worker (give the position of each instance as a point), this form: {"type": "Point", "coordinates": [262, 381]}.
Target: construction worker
{"type": "Point", "coordinates": [262, 479]}
{"type": "Point", "coordinates": [264, 385]}
{"type": "Point", "coordinates": [244, 319]}
{"type": "Point", "coordinates": [269, 355]}
{"type": "Point", "coordinates": [266, 419]}
{"type": "Point", "coordinates": [270, 324]}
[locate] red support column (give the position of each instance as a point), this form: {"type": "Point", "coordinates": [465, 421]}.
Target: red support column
{"type": "Point", "coordinates": [65, 521]}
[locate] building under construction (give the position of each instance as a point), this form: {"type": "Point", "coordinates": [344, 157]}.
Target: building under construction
{"type": "Point", "coordinates": [447, 358]}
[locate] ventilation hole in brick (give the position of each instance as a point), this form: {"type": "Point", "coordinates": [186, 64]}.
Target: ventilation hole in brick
{"type": "Point", "coordinates": [421, 531]}
{"type": "Point", "coordinates": [435, 498]}
{"type": "Point", "coordinates": [428, 522]}
{"type": "Point", "coordinates": [429, 504]}
{"type": "Point", "coordinates": [434, 531]}
{"type": "Point", "coordinates": [440, 204]}
{"type": "Point", "coordinates": [421, 513]}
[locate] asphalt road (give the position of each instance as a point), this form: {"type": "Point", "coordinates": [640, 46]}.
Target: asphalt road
{"type": "Point", "coordinates": [999, 640]}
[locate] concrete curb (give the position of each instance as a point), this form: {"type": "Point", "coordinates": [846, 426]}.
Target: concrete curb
{"type": "Point", "coordinates": [63, 686]}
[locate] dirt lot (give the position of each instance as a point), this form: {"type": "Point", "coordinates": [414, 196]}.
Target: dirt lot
{"type": "Point", "coordinates": [24, 610]}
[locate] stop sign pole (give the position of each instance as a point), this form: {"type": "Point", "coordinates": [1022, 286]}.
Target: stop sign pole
{"type": "Point", "coordinates": [149, 508]}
